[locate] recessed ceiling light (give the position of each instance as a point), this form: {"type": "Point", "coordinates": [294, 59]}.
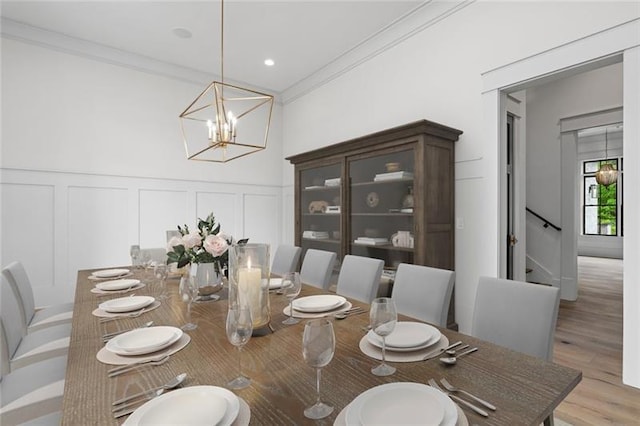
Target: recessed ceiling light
{"type": "Point", "coordinates": [269, 62]}
{"type": "Point", "coordinates": [181, 32]}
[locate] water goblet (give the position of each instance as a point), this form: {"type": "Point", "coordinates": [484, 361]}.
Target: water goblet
{"type": "Point", "coordinates": [239, 329]}
{"type": "Point", "coordinates": [188, 292]}
{"type": "Point", "coordinates": [383, 318]}
{"type": "Point", "coordinates": [318, 347]}
{"type": "Point", "coordinates": [161, 271]}
{"type": "Point", "coordinates": [291, 287]}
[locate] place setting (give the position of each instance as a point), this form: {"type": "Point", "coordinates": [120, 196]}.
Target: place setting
{"type": "Point", "coordinates": [193, 405]}
{"type": "Point", "coordinates": [117, 286]}
{"type": "Point", "coordinates": [142, 346]}
{"type": "Point", "coordinates": [401, 403]}
{"type": "Point", "coordinates": [110, 274]}
{"type": "Point", "coordinates": [317, 306]}
{"type": "Point", "coordinates": [125, 307]}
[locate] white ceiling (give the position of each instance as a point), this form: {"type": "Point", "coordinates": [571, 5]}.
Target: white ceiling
{"type": "Point", "coordinates": [302, 37]}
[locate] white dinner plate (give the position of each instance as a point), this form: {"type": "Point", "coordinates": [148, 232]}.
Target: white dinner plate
{"type": "Point", "coordinates": [401, 403]}
{"type": "Point", "coordinates": [110, 273]}
{"type": "Point", "coordinates": [194, 405]}
{"type": "Point", "coordinates": [126, 304]}
{"type": "Point", "coordinates": [319, 303]}
{"type": "Point", "coordinates": [275, 283]}
{"type": "Point", "coordinates": [407, 336]}
{"type": "Point", "coordinates": [117, 284]}
{"type": "Point", "coordinates": [144, 340]}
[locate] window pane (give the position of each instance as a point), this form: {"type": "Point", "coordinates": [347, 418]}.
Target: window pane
{"type": "Point", "coordinates": [591, 220]}
{"type": "Point", "coordinates": [591, 166]}
{"type": "Point", "coordinates": [607, 220]}
{"type": "Point", "coordinates": [591, 191]}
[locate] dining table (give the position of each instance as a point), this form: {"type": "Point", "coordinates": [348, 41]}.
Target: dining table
{"type": "Point", "coordinates": [524, 389]}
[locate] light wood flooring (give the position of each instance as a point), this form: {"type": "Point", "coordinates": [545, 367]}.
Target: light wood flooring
{"type": "Point", "coordinates": [589, 338]}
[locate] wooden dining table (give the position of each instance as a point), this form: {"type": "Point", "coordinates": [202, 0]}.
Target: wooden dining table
{"type": "Point", "coordinates": [524, 389]}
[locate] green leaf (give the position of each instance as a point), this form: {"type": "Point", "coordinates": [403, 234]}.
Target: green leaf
{"type": "Point", "coordinates": [243, 242]}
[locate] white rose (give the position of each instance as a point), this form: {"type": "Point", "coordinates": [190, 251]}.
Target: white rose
{"type": "Point", "coordinates": [216, 245]}
{"type": "Point", "coordinates": [174, 241]}
{"type": "Point", "coordinates": [191, 240]}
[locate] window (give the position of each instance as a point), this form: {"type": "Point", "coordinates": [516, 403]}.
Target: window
{"type": "Point", "coordinates": [602, 205]}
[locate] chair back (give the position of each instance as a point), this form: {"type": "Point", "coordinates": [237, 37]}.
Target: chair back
{"type": "Point", "coordinates": [423, 292]}
{"type": "Point", "coordinates": [518, 315]}
{"type": "Point", "coordinates": [285, 259]}
{"type": "Point", "coordinates": [158, 255]}
{"type": "Point", "coordinates": [17, 277]}
{"type": "Point", "coordinates": [13, 328]}
{"type": "Point", "coordinates": [5, 364]}
{"type": "Point", "coordinates": [317, 268]}
{"type": "Point", "coordinates": [359, 277]}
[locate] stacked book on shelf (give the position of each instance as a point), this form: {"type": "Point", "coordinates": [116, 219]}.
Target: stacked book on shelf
{"type": "Point", "coordinates": [393, 176]}
{"type": "Point", "coordinates": [368, 241]}
{"type": "Point", "coordinates": [332, 182]}
{"type": "Point", "coordinates": [315, 235]}
{"type": "Point", "coordinates": [332, 209]}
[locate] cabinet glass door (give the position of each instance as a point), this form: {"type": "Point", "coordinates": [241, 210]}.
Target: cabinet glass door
{"type": "Point", "coordinates": [320, 198]}
{"type": "Point", "coordinates": [381, 207]}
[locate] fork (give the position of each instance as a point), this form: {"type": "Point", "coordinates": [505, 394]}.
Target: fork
{"type": "Point", "coordinates": [478, 410]}
{"type": "Point", "coordinates": [159, 360]}
{"type": "Point", "coordinates": [448, 386]}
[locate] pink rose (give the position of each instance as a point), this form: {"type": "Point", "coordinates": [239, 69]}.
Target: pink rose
{"type": "Point", "coordinates": [216, 245]}
{"type": "Point", "coordinates": [174, 241]}
{"type": "Point", "coordinates": [191, 240]}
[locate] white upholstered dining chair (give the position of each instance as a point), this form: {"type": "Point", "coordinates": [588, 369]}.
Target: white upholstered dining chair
{"type": "Point", "coordinates": [285, 259]}
{"type": "Point", "coordinates": [34, 318]}
{"type": "Point", "coordinates": [317, 268]}
{"type": "Point", "coordinates": [517, 315]}
{"type": "Point", "coordinates": [423, 292]}
{"type": "Point", "coordinates": [21, 348]}
{"type": "Point", "coordinates": [31, 394]}
{"type": "Point", "coordinates": [359, 277]}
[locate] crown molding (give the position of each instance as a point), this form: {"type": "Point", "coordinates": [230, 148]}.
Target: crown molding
{"type": "Point", "coordinates": [413, 22]}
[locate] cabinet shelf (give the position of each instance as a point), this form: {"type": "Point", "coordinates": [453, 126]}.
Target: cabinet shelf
{"type": "Point", "coordinates": [322, 240]}
{"type": "Point", "coordinates": [321, 188]}
{"type": "Point", "coordinates": [321, 214]}
{"type": "Point", "coordinates": [382, 182]}
{"type": "Point", "coordinates": [383, 214]}
{"type": "Point", "coordinates": [388, 247]}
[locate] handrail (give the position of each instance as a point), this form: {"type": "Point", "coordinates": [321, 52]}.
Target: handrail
{"type": "Point", "coordinates": [546, 222]}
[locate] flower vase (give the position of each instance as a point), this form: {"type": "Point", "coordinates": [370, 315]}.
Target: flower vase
{"type": "Point", "coordinates": [209, 279]}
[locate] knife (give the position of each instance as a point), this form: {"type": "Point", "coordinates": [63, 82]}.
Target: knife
{"type": "Point", "coordinates": [439, 352]}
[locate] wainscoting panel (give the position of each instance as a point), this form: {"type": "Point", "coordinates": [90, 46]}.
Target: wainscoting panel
{"type": "Point", "coordinates": [224, 208]}
{"type": "Point", "coordinates": [97, 227]}
{"type": "Point", "coordinates": [261, 219]}
{"type": "Point", "coordinates": [57, 223]}
{"type": "Point", "coordinates": [28, 230]}
{"type": "Point", "coordinates": [160, 211]}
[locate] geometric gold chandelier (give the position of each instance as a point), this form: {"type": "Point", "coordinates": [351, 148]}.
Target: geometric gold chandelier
{"type": "Point", "coordinates": [607, 173]}
{"type": "Point", "coordinates": [225, 121]}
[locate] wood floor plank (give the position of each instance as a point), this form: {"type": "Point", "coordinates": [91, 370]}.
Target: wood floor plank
{"type": "Point", "coordinates": [589, 338]}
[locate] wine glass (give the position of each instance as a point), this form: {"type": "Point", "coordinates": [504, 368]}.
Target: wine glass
{"type": "Point", "coordinates": [383, 318]}
{"type": "Point", "coordinates": [161, 271]}
{"type": "Point", "coordinates": [318, 346]}
{"type": "Point", "coordinates": [239, 329]}
{"type": "Point", "coordinates": [188, 292]}
{"type": "Point", "coordinates": [291, 287]}
{"type": "Point", "coordinates": [135, 255]}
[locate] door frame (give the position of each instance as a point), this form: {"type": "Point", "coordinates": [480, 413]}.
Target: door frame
{"type": "Point", "coordinates": [594, 51]}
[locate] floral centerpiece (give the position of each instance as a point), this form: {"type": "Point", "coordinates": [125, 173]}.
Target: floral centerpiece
{"type": "Point", "coordinates": [204, 245]}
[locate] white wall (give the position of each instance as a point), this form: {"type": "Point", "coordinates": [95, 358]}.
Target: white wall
{"type": "Point", "coordinates": [436, 75]}
{"type": "Point", "coordinates": [68, 113]}
{"type": "Point", "coordinates": [547, 104]}
{"type": "Point", "coordinates": [92, 161]}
